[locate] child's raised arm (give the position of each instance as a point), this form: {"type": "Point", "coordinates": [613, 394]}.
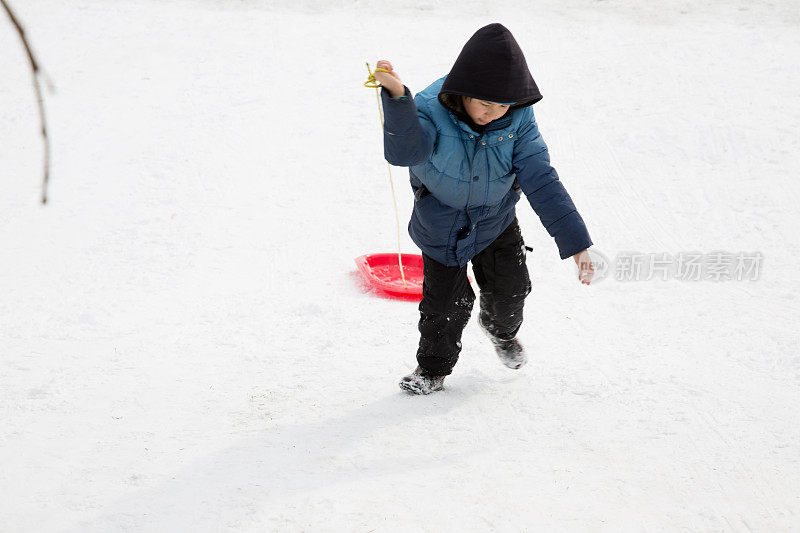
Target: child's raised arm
{"type": "Point", "coordinates": [408, 135]}
{"type": "Point", "coordinates": [389, 80]}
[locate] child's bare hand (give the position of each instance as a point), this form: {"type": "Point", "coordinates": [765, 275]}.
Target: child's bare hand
{"type": "Point", "coordinates": [390, 80]}
{"type": "Point", "coordinates": [585, 266]}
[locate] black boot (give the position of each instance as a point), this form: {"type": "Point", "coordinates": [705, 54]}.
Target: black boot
{"type": "Point", "coordinates": [420, 382]}
{"type": "Point", "coordinates": [510, 352]}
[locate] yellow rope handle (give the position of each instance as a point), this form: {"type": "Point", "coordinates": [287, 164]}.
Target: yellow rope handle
{"type": "Point", "coordinates": [372, 83]}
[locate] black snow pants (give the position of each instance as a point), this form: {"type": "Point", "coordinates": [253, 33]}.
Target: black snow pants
{"type": "Point", "coordinates": [447, 299]}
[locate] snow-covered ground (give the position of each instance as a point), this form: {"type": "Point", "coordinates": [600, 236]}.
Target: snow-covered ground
{"type": "Point", "coordinates": [185, 344]}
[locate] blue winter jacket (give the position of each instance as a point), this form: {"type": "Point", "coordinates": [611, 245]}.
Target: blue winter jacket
{"type": "Point", "coordinates": [466, 183]}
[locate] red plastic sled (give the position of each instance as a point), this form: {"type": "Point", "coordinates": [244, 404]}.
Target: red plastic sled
{"type": "Point", "coordinates": [382, 272]}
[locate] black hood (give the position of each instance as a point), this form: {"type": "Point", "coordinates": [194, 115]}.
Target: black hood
{"type": "Point", "coordinates": [492, 67]}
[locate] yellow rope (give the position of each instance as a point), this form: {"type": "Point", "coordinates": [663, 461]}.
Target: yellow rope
{"type": "Point", "coordinates": [372, 83]}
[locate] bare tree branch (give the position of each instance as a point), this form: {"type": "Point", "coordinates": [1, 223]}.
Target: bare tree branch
{"type": "Point", "coordinates": [39, 98]}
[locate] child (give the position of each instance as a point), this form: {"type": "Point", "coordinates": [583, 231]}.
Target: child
{"type": "Point", "coordinates": [473, 148]}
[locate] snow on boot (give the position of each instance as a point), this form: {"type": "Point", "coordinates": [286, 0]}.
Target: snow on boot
{"type": "Point", "coordinates": [510, 352]}
{"type": "Point", "coordinates": [420, 382]}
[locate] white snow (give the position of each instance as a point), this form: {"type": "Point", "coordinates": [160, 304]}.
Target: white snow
{"type": "Point", "coordinates": [185, 343]}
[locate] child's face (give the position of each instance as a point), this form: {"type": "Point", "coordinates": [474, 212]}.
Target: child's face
{"type": "Point", "coordinates": [483, 112]}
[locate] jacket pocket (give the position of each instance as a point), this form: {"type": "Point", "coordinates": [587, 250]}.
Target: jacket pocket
{"type": "Point", "coordinates": [421, 193]}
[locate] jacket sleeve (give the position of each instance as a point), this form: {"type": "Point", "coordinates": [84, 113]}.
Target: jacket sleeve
{"type": "Point", "coordinates": [545, 192]}
{"type": "Point", "coordinates": [408, 135]}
